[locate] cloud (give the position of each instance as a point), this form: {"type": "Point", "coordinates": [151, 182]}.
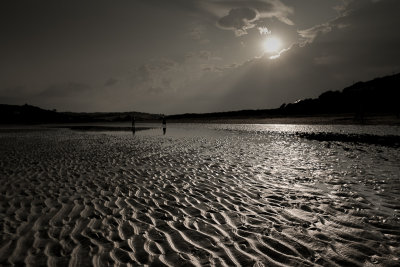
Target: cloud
{"type": "Point", "coordinates": [65, 89]}
{"type": "Point", "coordinates": [198, 34]}
{"type": "Point", "coordinates": [308, 35]}
{"type": "Point", "coordinates": [111, 82]}
{"type": "Point", "coordinates": [239, 20]}
{"type": "Point", "coordinates": [15, 94]}
{"type": "Point", "coordinates": [242, 15]}
{"type": "Point", "coordinates": [175, 79]}
{"type": "Point", "coordinates": [345, 19]}
{"type": "Point", "coordinates": [329, 56]}
{"type": "Point", "coordinates": [361, 43]}
{"type": "Point", "coordinates": [367, 21]}
{"type": "Point", "coordinates": [264, 31]}
{"type": "Point", "coordinates": [155, 76]}
{"type": "Point", "coordinates": [200, 55]}
{"type": "Point", "coordinates": [14, 91]}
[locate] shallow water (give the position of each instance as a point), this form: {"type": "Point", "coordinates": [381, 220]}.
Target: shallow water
{"type": "Point", "coordinates": [199, 195]}
{"type": "Point", "coordinates": [203, 128]}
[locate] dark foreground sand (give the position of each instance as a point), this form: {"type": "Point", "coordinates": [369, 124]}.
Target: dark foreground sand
{"type": "Point", "coordinates": [80, 199]}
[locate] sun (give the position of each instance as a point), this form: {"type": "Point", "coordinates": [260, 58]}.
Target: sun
{"type": "Point", "coordinates": [272, 44]}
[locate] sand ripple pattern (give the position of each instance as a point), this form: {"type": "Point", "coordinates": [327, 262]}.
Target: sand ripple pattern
{"type": "Point", "coordinates": [239, 199]}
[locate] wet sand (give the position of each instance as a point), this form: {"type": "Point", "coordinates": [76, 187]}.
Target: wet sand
{"type": "Point", "coordinates": [341, 119]}
{"type": "Point", "coordinates": [224, 199]}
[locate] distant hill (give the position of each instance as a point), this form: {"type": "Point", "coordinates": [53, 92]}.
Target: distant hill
{"type": "Point", "coordinates": [27, 114]}
{"type": "Point", "coordinates": [378, 96]}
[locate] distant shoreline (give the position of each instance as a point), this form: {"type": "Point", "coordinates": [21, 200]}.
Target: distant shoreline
{"type": "Point", "coordinates": [345, 119]}
{"type": "Point", "coordinates": [341, 119]}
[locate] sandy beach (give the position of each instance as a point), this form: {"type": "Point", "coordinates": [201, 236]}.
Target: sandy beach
{"type": "Point", "coordinates": [196, 198]}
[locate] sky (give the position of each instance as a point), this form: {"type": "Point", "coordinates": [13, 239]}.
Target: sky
{"type": "Point", "coordinates": [184, 56]}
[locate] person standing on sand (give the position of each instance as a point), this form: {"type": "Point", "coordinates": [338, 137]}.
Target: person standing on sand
{"type": "Point", "coordinates": [133, 125]}
{"type": "Point", "coordinates": [164, 124]}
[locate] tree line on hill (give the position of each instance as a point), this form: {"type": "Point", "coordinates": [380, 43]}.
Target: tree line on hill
{"type": "Point", "coordinates": [378, 96]}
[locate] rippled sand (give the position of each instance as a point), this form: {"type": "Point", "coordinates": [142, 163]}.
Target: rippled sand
{"type": "Point", "coordinates": [233, 198]}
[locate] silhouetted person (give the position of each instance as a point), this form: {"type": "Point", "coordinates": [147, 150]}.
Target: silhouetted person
{"type": "Point", "coordinates": [360, 112]}
{"type": "Point", "coordinates": [164, 124]}
{"type": "Point", "coordinates": [133, 125]}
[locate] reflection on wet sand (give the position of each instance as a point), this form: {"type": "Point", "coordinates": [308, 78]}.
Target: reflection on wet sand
{"type": "Point", "coordinates": [204, 197]}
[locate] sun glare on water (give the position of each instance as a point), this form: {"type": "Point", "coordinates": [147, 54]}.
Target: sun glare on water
{"type": "Point", "coordinates": [272, 45]}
